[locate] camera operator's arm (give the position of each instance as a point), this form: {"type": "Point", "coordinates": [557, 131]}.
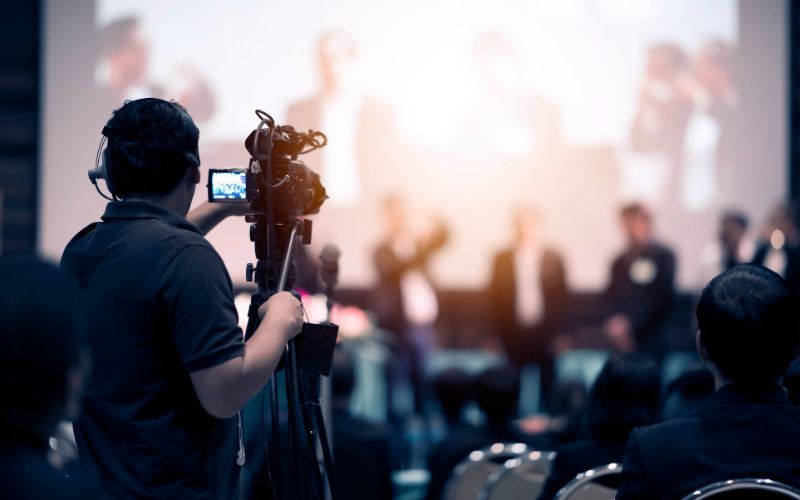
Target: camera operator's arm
{"type": "Point", "coordinates": [224, 389]}
{"type": "Point", "coordinates": [196, 294]}
{"type": "Point", "coordinates": [207, 215]}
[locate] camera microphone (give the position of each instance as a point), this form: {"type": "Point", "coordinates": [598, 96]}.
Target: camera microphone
{"type": "Point", "coordinates": [329, 270]}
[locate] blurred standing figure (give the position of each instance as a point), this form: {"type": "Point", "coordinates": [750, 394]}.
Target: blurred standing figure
{"type": "Point", "coordinates": [733, 246]}
{"type": "Point", "coordinates": [779, 249]}
{"type": "Point", "coordinates": [641, 289]}
{"type": "Point", "coordinates": [528, 295]}
{"type": "Point", "coordinates": [406, 301]}
{"type": "Point", "coordinates": [359, 128]}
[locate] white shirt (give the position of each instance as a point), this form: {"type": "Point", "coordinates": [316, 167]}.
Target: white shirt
{"type": "Point", "coordinates": [419, 299]}
{"type": "Point", "coordinates": [529, 300]}
{"type": "Point", "coordinates": [341, 120]}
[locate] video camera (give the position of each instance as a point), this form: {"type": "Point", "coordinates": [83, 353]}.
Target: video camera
{"type": "Point", "coordinates": [280, 189]}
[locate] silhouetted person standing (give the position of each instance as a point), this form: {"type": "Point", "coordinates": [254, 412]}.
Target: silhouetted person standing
{"type": "Point", "coordinates": [641, 291]}
{"type": "Point", "coordinates": [528, 296]}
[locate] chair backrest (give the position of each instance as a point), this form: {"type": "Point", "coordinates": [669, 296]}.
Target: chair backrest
{"type": "Point", "coordinates": [519, 478]}
{"type": "Point", "coordinates": [745, 488]}
{"type": "Point", "coordinates": [469, 476]}
{"type": "Point", "coordinates": [600, 483]}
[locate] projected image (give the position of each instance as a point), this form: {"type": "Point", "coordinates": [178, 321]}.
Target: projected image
{"type": "Point", "coordinates": [575, 107]}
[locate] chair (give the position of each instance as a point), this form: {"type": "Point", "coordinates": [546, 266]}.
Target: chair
{"type": "Point", "coordinates": [519, 478]}
{"type": "Point", "coordinates": [745, 488]}
{"type": "Point", "coordinates": [469, 476]}
{"type": "Point", "coordinates": [600, 483]}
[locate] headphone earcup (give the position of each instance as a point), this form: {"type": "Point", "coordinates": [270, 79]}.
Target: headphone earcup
{"type": "Point", "coordinates": [105, 169]}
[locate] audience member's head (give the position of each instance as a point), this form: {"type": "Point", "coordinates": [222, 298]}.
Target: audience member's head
{"type": "Point", "coordinates": [637, 224]}
{"type": "Point", "coordinates": [732, 228]}
{"type": "Point", "coordinates": [497, 393]}
{"type": "Point", "coordinates": [453, 389]}
{"type": "Point", "coordinates": [749, 329]}
{"type": "Point", "coordinates": [624, 395]}
{"type": "Point", "coordinates": [152, 144]}
{"type": "Point", "coordinates": [784, 222]}
{"type": "Point", "coordinates": [527, 226]}
{"type": "Point", "coordinates": [713, 67]}
{"type": "Point", "coordinates": [40, 374]}
{"type": "Point", "coordinates": [343, 376]}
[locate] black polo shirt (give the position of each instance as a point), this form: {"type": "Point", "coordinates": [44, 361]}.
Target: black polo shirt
{"type": "Point", "coordinates": [159, 306]}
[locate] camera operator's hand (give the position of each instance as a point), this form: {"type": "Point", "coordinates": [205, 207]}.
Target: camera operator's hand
{"type": "Point", "coordinates": [207, 215]}
{"type": "Point", "coordinates": [283, 312]}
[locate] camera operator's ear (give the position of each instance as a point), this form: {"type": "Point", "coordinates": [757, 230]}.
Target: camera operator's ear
{"type": "Point", "coordinates": [194, 175]}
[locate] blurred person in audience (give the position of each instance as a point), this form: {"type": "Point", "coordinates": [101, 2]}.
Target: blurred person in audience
{"type": "Point", "coordinates": [528, 296]}
{"type": "Point", "coordinates": [625, 395]}
{"type": "Point", "coordinates": [779, 248]}
{"type": "Point", "coordinates": [749, 334]}
{"type": "Point", "coordinates": [453, 390]}
{"type": "Point", "coordinates": [640, 292]}
{"type": "Point", "coordinates": [40, 376]}
{"type": "Point", "coordinates": [405, 299]}
{"type": "Point", "coordinates": [733, 246]}
{"type": "Point", "coordinates": [362, 449]}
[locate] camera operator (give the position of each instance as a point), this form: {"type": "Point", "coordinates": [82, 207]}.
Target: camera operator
{"type": "Point", "coordinates": [171, 369]}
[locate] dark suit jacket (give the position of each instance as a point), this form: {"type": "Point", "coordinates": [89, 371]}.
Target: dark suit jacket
{"type": "Point", "coordinates": [579, 456]}
{"type": "Point", "coordinates": [647, 305]}
{"type": "Point", "coordinates": [739, 433]}
{"type": "Point", "coordinates": [553, 283]}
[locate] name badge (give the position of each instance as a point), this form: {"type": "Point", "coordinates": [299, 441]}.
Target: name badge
{"type": "Point", "coordinates": [643, 271]}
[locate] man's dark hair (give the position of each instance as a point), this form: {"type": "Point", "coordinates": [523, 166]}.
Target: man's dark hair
{"type": "Point", "coordinates": [497, 393]}
{"type": "Point", "coordinates": [632, 210]}
{"type": "Point", "coordinates": [151, 144]}
{"type": "Point", "coordinates": [624, 395]}
{"type": "Point", "coordinates": [749, 324]}
{"type": "Point", "coordinates": [453, 389]}
{"type": "Point", "coordinates": [40, 342]}
{"type": "Point", "coordinates": [736, 217]}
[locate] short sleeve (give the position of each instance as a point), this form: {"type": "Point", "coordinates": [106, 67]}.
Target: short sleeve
{"type": "Point", "coordinates": [196, 291]}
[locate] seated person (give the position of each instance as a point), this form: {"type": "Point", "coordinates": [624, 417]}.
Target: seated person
{"type": "Point", "coordinates": [625, 395]}
{"type": "Point", "coordinates": [749, 334]}
{"type": "Point", "coordinates": [39, 377]}
{"type": "Point", "coordinates": [453, 390]}
{"type": "Point", "coordinates": [361, 449]}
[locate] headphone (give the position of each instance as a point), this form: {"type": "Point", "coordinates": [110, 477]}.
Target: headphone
{"type": "Point", "coordinates": [101, 169]}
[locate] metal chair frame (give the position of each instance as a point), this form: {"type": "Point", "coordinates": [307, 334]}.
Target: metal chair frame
{"type": "Point", "coordinates": [492, 453]}
{"type": "Point", "coordinates": [512, 465]}
{"type": "Point", "coordinates": [753, 484]}
{"type": "Point", "coordinates": [586, 477]}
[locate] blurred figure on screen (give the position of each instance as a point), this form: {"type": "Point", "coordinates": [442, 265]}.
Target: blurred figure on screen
{"type": "Point", "coordinates": [123, 72]}
{"type": "Point", "coordinates": [359, 127]}
{"type": "Point", "coordinates": [733, 246]}
{"type": "Point", "coordinates": [662, 112]}
{"type": "Point", "coordinates": [528, 295]}
{"type": "Point", "coordinates": [641, 289]}
{"type": "Point", "coordinates": [405, 299]}
{"type": "Point", "coordinates": [513, 120]}
{"type": "Point", "coordinates": [779, 248]}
